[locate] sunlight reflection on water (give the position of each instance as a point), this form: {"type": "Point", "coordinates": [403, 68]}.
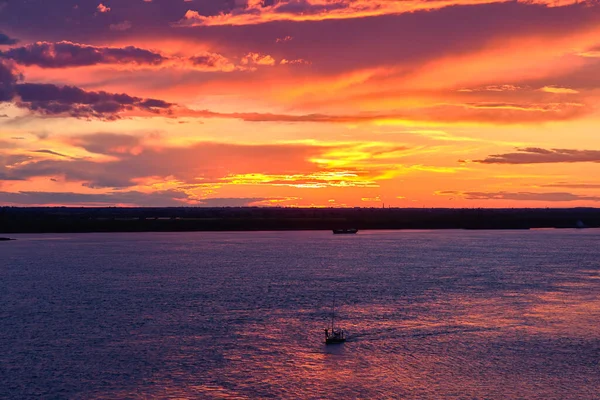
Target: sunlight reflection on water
{"type": "Point", "coordinates": [448, 314]}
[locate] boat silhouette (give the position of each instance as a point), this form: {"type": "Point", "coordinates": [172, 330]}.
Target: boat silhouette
{"type": "Point", "coordinates": [345, 231]}
{"type": "Point", "coordinates": [334, 336]}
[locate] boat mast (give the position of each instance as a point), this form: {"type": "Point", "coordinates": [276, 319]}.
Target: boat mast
{"type": "Point", "coordinates": [332, 313]}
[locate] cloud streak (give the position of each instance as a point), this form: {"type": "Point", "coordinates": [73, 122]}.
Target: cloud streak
{"type": "Point", "coordinates": [497, 113]}
{"type": "Point", "coordinates": [255, 12]}
{"type": "Point", "coordinates": [524, 196]}
{"type": "Point", "coordinates": [534, 155]}
{"type": "Point", "coordinates": [573, 185]}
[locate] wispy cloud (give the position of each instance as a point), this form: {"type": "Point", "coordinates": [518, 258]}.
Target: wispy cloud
{"type": "Point", "coordinates": [496, 113]}
{"type": "Point", "coordinates": [523, 196]}
{"type": "Point", "coordinates": [534, 155]}
{"type": "Point", "coordinates": [568, 185]}
{"type": "Point", "coordinates": [254, 12]}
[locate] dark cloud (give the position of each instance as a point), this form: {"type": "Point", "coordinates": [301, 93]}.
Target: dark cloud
{"type": "Point", "coordinates": [53, 100]}
{"type": "Point", "coordinates": [67, 54]}
{"type": "Point", "coordinates": [534, 155]}
{"type": "Point", "coordinates": [54, 153]}
{"type": "Point", "coordinates": [8, 81]}
{"type": "Point", "coordinates": [6, 40]}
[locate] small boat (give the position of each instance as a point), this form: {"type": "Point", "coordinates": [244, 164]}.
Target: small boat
{"type": "Point", "coordinates": [345, 231]}
{"type": "Point", "coordinates": [334, 336]}
{"type": "Point", "coordinates": [5, 239]}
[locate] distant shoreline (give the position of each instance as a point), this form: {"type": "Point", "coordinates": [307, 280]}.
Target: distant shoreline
{"type": "Point", "coordinates": [85, 220]}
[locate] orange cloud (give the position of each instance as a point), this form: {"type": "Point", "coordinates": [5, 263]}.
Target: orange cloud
{"type": "Point", "coordinates": [297, 61]}
{"type": "Point", "coordinates": [258, 59]}
{"type": "Point", "coordinates": [558, 90]}
{"type": "Point", "coordinates": [102, 8]}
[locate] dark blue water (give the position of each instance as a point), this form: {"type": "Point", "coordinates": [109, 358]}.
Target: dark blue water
{"type": "Point", "coordinates": [443, 314]}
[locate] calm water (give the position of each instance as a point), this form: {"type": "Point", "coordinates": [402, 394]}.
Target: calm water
{"type": "Point", "coordinates": [443, 314]}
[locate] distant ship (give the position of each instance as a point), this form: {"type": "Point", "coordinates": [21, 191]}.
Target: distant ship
{"type": "Point", "coordinates": [5, 239]}
{"type": "Point", "coordinates": [345, 231]}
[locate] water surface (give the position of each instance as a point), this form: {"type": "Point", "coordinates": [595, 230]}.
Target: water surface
{"type": "Point", "coordinates": [431, 314]}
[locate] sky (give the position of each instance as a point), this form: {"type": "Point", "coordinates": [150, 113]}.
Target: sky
{"type": "Point", "coordinates": [300, 103]}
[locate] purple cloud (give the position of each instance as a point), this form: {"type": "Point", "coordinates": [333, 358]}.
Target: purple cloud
{"type": "Point", "coordinates": [53, 100]}
{"type": "Point", "coordinates": [6, 40]}
{"type": "Point", "coordinates": [121, 26]}
{"type": "Point", "coordinates": [8, 81]}
{"type": "Point", "coordinates": [68, 54]}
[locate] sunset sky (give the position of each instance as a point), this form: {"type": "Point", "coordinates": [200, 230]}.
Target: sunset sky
{"type": "Point", "coordinates": [327, 103]}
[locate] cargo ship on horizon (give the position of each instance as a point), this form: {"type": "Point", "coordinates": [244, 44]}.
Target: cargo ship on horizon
{"type": "Point", "coordinates": [346, 231]}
